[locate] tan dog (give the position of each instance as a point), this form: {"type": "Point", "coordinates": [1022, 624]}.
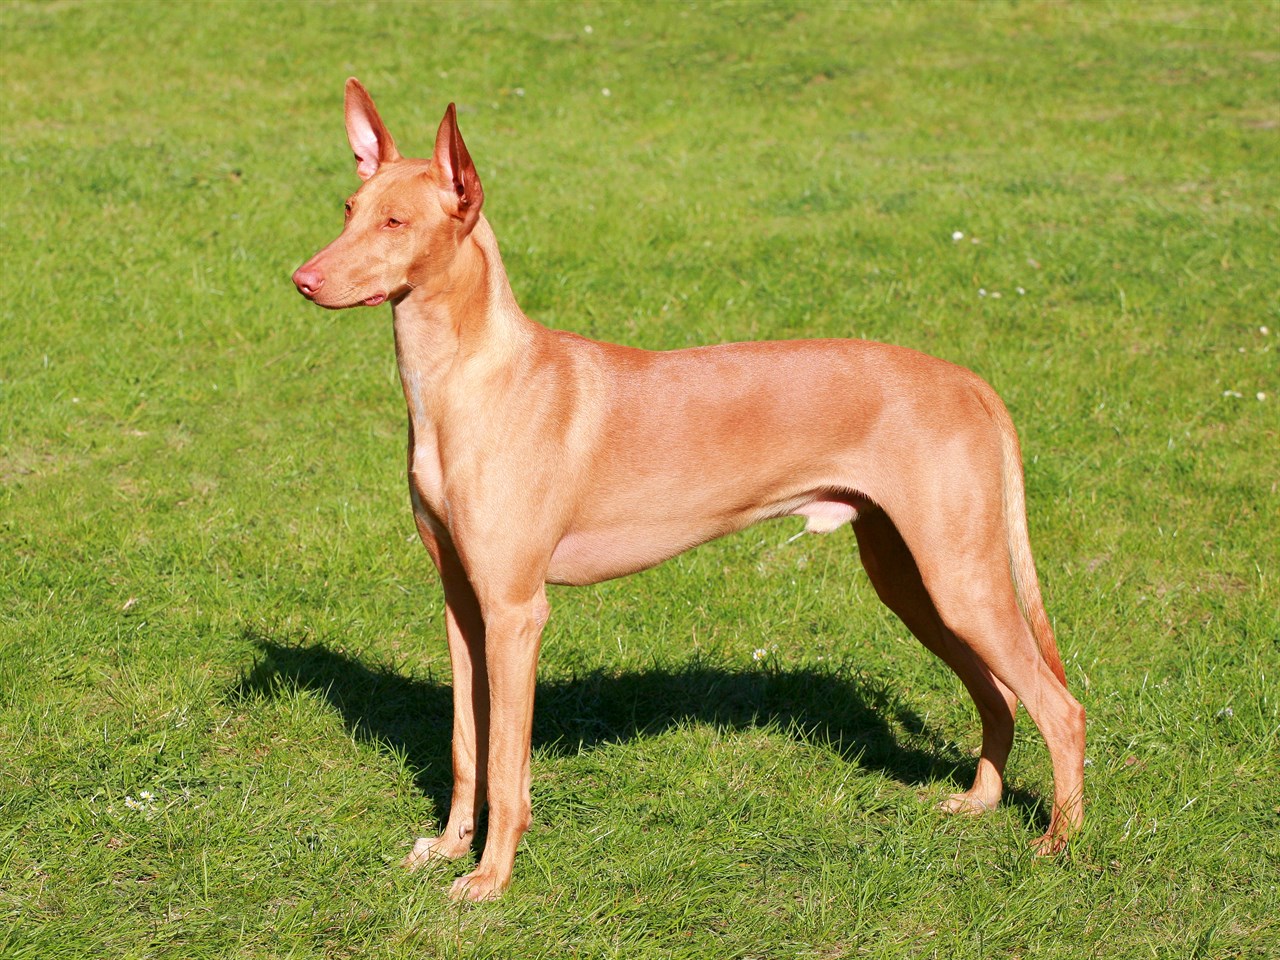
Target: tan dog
{"type": "Point", "coordinates": [537, 456]}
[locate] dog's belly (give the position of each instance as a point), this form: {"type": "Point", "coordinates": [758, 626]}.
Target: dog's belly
{"type": "Point", "coordinates": [590, 556]}
{"type": "Point", "coordinates": [584, 557]}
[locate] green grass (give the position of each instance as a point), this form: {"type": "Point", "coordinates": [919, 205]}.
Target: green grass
{"type": "Point", "coordinates": [213, 591]}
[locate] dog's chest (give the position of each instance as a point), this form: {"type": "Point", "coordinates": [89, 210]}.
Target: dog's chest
{"type": "Point", "coordinates": [426, 476]}
{"type": "Point", "coordinates": [426, 492]}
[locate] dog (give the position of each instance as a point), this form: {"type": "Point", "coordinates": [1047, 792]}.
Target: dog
{"type": "Point", "coordinates": [538, 456]}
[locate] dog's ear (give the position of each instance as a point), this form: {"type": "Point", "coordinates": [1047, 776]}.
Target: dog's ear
{"type": "Point", "coordinates": [370, 141]}
{"type": "Point", "coordinates": [457, 172]}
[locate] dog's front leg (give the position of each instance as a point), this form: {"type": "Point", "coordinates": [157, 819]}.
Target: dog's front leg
{"type": "Point", "coordinates": [465, 630]}
{"type": "Point", "coordinates": [513, 634]}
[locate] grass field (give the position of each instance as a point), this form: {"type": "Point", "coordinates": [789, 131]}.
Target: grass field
{"type": "Point", "coordinates": [224, 690]}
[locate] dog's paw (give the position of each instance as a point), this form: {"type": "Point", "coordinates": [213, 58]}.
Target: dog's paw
{"type": "Point", "coordinates": [968, 803]}
{"type": "Point", "coordinates": [481, 884]}
{"type": "Point", "coordinates": [1051, 844]}
{"type": "Point", "coordinates": [427, 849]}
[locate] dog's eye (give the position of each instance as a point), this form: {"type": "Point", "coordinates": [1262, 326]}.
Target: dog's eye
{"type": "Point", "coordinates": [347, 207]}
{"type": "Point", "coordinates": [392, 223]}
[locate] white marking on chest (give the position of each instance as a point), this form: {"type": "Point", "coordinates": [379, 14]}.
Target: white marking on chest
{"type": "Point", "coordinates": [413, 391]}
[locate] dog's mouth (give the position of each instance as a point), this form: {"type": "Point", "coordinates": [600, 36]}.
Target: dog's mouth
{"type": "Point", "coordinates": [376, 299]}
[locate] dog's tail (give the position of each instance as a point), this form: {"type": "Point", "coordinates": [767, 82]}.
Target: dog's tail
{"type": "Point", "coordinates": [1021, 563]}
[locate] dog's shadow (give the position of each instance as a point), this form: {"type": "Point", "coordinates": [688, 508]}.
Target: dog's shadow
{"type": "Point", "coordinates": [859, 717]}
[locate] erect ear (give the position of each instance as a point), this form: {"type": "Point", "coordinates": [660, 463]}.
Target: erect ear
{"type": "Point", "coordinates": [457, 171]}
{"type": "Point", "coordinates": [370, 141]}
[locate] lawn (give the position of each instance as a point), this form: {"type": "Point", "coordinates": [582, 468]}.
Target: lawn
{"type": "Point", "coordinates": [224, 689]}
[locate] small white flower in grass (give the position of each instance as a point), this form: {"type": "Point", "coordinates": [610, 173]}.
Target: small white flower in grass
{"type": "Point", "coordinates": [519, 91]}
{"type": "Point", "coordinates": [1232, 393]}
{"type": "Point", "coordinates": [1225, 712]}
{"type": "Point", "coordinates": [957, 236]}
{"type": "Point", "coordinates": [605, 92]}
{"type": "Point", "coordinates": [1261, 395]}
{"type": "Point", "coordinates": [1262, 330]}
{"type": "Point", "coordinates": [995, 294]}
{"type": "Point", "coordinates": [759, 653]}
{"type": "Point", "coordinates": [1021, 292]}
{"type": "Point", "coordinates": [588, 29]}
{"type": "Point", "coordinates": [982, 292]}
{"type": "Point", "coordinates": [146, 802]}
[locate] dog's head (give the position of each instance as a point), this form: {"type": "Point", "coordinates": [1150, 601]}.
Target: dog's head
{"type": "Point", "coordinates": [405, 224]}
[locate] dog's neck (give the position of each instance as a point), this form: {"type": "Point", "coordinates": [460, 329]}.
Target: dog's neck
{"type": "Point", "coordinates": [467, 318]}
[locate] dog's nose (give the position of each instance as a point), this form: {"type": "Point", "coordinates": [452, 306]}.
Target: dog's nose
{"type": "Point", "coordinates": [307, 281]}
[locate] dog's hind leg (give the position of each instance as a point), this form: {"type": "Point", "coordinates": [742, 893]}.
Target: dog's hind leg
{"type": "Point", "coordinates": [896, 578]}
{"type": "Point", "coordinates": [966, 574]}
